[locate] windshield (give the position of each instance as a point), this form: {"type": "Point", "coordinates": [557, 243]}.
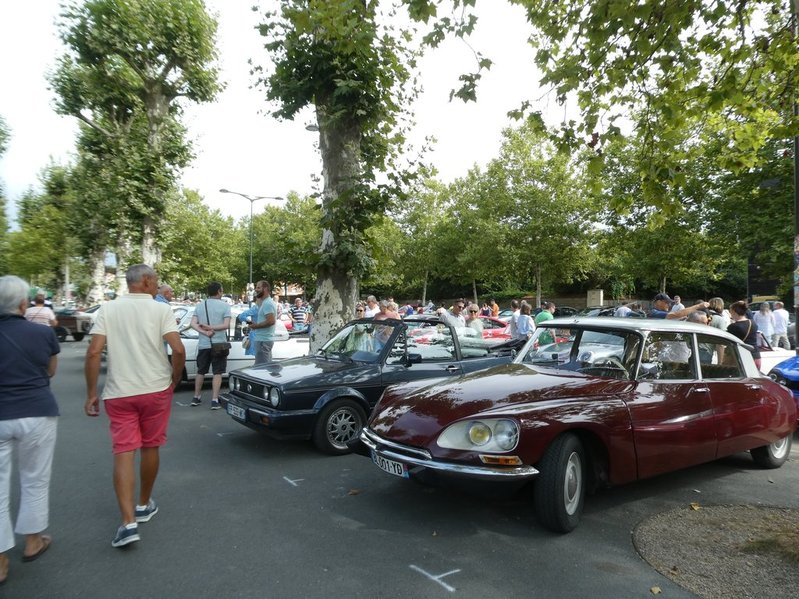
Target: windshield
{"type": "Point", "coordinates": [607, 353]}
{"type": "Point", "coordinates": [360, 341]}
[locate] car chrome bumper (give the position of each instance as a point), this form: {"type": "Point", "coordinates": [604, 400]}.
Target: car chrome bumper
{"type": "Point", "coordinates": [422, 458]}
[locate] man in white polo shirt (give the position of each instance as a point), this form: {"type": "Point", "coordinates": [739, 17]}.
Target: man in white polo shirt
{"type": "Point", "coordinates": [138, 389]}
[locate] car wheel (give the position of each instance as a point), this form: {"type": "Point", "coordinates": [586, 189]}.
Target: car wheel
{"type": "Point", "coordinates": [774, 455]}
{"type": "Point", "coordinates": [61, 334]}
{"type": "Point", "coordinates": [338, 423]}
{"type": "Point", "coordinates": [77, 336]}
{"type": "Point", "coordinates": [559, 491]}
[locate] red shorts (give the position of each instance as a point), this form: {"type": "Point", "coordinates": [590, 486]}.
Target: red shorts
{"type": "Point", "coordinates": [139, 420]}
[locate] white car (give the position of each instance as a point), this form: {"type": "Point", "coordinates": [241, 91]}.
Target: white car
{"type": "Point", "coordinates": [285, 346]}
{"type": "Point", "coordinates": [771, 356]}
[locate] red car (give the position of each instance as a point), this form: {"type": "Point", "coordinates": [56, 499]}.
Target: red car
{"type": "Point", "coordinates": [494, 328]}
{"type": "Point", "coordinates": [611, 402]}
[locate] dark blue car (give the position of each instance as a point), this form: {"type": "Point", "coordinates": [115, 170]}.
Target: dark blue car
{"type": "Point", "coordinates": [328, 396]}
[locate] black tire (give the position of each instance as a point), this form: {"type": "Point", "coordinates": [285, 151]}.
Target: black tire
{"type": "Point", "coordinates": [559, 491]}
{"type": "Point", "coordinates": [61, 334]}
{"type": "Point", "coordinates": [78, 336]}
{"type": "Point", "coordinates": [774, 455]}
{"type": "Point", "coordinates": [338, 423]}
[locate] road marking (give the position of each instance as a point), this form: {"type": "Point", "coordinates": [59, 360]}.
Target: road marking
{"type": "Point", "coordinates": [438, 578]}
{"type": "Point", "coordinates": [294, 482]}
{"type": "Point", "coordinates": [223, 434]}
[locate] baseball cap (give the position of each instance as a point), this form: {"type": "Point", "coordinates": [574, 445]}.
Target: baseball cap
{"type": "Point", "coordinates": [662, 296]}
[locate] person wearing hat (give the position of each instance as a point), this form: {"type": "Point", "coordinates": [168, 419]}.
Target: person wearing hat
{"type": "Point", "coordinates": [661, 307]}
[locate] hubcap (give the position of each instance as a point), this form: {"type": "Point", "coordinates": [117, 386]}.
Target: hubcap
{"type": "Point", "coordinates": [572, 483]}
{"type": "Point", "coordinates": [342, 427]}
{"type": "Point", "coordinates": [780, 448]}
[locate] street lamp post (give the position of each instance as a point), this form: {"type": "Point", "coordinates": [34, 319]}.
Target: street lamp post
{"type": "Point", "coordinates": [252, 199]}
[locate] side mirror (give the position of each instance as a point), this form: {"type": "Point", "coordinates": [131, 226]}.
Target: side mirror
{"type": "Point", "coordinates": [414, 359]}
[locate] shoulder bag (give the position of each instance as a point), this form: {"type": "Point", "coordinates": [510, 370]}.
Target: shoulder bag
{"type": "Point", "coordinates": [217, 349]}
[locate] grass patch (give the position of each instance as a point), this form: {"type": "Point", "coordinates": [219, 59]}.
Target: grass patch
{"type": "Point", "coordinates": [781, 542]}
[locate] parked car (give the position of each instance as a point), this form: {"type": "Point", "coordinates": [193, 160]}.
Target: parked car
{"type": "Point", "coordinates": [285, 346]}
{"type": "Point", "coordinates": [620, 400]}
{"type": "Point", "coordinates": [72, 322]}
{"type": "Point", "coordinates": [564, 311]}
{"type": "Point", "coordinates": [326, 397]}
{"type": "Point", "coordinates": [770, 356]}
{"type": "Point", "coordinates": [786, 373]}
{"type": "Point", "coordinates": [494, 328]}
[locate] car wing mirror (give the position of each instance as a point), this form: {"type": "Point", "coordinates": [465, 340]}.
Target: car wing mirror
{"type": "Point", "coordinates": [414, 359]}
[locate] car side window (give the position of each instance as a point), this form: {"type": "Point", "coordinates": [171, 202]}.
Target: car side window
{"type": "Point", "coordinates": [718, 358]}
{"type": "Point", "coordinates": [668, 356]}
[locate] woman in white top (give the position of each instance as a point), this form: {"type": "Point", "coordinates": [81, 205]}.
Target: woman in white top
{"type": "Point", "coordinates": [764, 319]}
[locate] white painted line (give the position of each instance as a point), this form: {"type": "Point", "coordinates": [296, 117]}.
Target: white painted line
{"type": "Point", "coordinates": [180, 403]}
{"type": "Point", "coordinates": [223, 434]}
{"type": "Point", "coordinates": [438, 578]}
{"type": "Point", "coordinates": [294, 482]}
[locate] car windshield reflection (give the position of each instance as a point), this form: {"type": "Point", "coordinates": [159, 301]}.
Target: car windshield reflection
{"type": "Point", "coordinates": [360, 342]}
{"type": "Point", "coordinates": [611, 354]}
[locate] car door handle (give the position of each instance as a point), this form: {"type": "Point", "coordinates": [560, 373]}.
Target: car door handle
{"type": "Point", "coordinates": [753, 386]}
{"type": "Point", "coordinates": [700, 390]}
{"type": "Point", "coordinates": [452, 368]}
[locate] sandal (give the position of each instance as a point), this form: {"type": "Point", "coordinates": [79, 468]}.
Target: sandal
{"type": "Point", "coordinates": [46, 542]}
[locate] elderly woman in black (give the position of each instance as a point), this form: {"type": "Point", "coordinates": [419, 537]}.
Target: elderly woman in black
{"type": "Point", "coordinates": [28, 414]}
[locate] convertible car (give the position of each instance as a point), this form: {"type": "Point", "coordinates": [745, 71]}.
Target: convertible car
{"type": "Point", "coordinates": [613, 401]}
{"type": "Point", "coordinates": [327, 397]}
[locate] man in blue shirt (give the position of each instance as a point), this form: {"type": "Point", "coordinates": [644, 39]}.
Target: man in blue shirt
{"type": "Point", "coordinates": [661, 308]}
{"type": "Point", "coordinates": [264, 325]}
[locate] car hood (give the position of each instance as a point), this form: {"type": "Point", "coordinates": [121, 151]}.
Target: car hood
{"type": "Point", "coordinates": [789, 368]}
{"type": "Point", "coordinates": [414, 414]}
{"type": "Point", "coordinates": [309, 370]}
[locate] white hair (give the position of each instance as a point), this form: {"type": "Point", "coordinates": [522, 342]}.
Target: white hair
{"type": "Point", "coordinates": [137, 272]}
{"type": "Point", "coordinates": [13, 291]}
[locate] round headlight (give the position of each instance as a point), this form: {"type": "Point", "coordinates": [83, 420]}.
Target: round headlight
{"type": "Point", "coordinates": [479, 433]}
{"type": "Point", "coordinates": [274, 397]}
{"type": "Point", "coordinates": [506, 434]}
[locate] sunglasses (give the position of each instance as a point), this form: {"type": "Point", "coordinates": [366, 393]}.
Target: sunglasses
{"type": "Point", "coordinates": [473, 311]}
{"type": "Point", "coordinates": [359, 310]}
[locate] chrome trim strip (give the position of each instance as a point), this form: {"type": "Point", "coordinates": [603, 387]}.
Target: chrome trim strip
{"type": "Point", "coordinates": [422, 453]}
{"type": "Point", "coordinates": [485, 472]}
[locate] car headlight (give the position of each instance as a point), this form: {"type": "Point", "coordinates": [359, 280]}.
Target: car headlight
{"type": "Point", "coordinates": [479, 433]}
{"type": "Point", "coordinates": [274, 397]}
{"type": "Point", "coordinates": [232, 383]}
{"type": "Point", "coordinates": [486, 435]}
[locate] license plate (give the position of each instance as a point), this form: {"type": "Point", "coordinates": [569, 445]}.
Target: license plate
{"type": "Point", "coordinates": [390, 466]}
{"type": "Point", "coordinates": [236, 411]}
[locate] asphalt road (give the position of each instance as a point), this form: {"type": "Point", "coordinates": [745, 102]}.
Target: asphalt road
{"type": "Point", "coordinates": [245, 516]}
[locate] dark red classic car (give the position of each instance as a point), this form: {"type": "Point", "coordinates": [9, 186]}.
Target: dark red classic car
{"type": "Point", "coordinates": [612, 401]}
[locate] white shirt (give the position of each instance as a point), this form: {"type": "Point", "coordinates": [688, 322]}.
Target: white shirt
{"type": "Point", "coordinates": [134, 327]}
{"type": "Point", "coordinates": [371, 312]}
{"type": "Point", "coordinates": [781, 320]}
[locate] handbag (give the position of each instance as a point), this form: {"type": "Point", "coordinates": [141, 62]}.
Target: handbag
{"type": "Point", "coordinates": [221, 348]}
{"type": "Point", "coordinates": [245, 343]}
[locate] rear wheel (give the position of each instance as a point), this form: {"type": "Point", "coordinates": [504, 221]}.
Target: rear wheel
{"type": "Point", "coordinates": [774, 455]}
{"type": "Point", "coordinates": [77, 336]}
{"type": "Point", "coordinates": [338, 423]}
{"type": "Point", "coordinates": [559, 491]}
{"type": "Point", "coordinates": [61, 334]}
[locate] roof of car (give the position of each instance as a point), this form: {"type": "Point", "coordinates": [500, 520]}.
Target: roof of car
{"type": "Point", "coordinates": [636, 324]}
